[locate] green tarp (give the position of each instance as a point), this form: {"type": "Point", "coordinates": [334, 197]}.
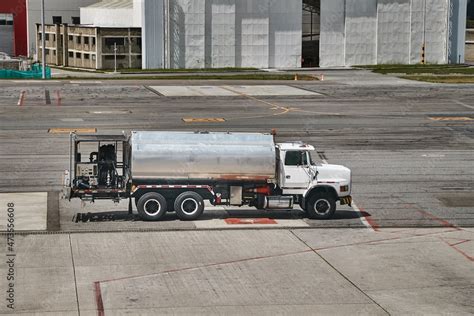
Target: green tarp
{"type": "Point", "coordinates": [34, 73]}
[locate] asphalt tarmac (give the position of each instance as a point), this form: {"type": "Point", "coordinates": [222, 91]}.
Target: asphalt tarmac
{"type": "Point", "coordinates": [405, 247]}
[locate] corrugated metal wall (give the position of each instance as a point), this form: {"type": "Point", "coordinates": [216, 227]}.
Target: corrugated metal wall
{"type": "Point", "coordinates": [232, 33]}
{"type": "Point", "coordinates": [364, 32]}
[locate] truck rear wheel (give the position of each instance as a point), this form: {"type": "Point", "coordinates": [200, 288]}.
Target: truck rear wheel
{"type": "Point", "coordinates": [321, 206]}
{"type": "Point", "coordinates": [189, 206]}
{"type": "Point", "coordinates": [152, 206]}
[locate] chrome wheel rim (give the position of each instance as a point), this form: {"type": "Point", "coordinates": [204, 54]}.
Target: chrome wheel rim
{"type": "Point", "coordinates": [152, 207]}
{"type": "Point", "coordinates": [322, 206]}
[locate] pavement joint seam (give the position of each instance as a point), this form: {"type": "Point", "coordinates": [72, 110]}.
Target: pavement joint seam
{"type": "Point", "coordinates": [97, 284]}
{"type": "Point", "coordinates": [340, 273]}
{"type": "Point", "coordinates": [74, 272]}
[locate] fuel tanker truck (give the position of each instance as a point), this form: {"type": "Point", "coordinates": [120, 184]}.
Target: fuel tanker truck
{"type": "Point", "coordinates": [178, 171]}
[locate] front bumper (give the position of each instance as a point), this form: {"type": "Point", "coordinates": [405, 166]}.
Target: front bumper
{"type": "Point", "coordinates": [346, 200]}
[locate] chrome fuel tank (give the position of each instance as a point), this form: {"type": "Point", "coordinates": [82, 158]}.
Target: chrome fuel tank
{"type": "Point", "coordinates": [189, 156]}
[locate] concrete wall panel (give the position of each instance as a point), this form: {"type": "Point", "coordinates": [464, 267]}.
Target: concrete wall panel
{"type": "Point", "coordinates": [152, 33]}
{"type": "Point", "coordinates": [361, 32]}
{"type": "Point", "coordinates": [436, 31]}
{"type": "Point", "coordinates": [332, 47]}
{"type": "Point", "coordinates": [394, 36]}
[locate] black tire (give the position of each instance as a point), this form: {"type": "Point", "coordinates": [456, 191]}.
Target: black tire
{"type": "Point", "coordinates": [189, 206]}
{"type": "Point", "coordinates": [260, 202]}
{"type": "Point", "coordinates": [321, 206]}
{"type": "Point", "coordinates": [302, 203]}
{"type": "Point", "coordinates": [152, 206]}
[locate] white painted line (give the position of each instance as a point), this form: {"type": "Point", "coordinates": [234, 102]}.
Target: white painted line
{"type": "Point", "coordinates": [85, 82]}
{"type": "Point", "coordinates": [464, 104]}
{"type": "Point", "coordinates": [22, 98]}
{"type": "Point", "coordinates": [36, 81]}
{"type": "Point", "coordinates": [72, 120]}
{"type": "Point", "coordinates": [111, 112]}
{"type": "Point", "coordinates": [362, 217]}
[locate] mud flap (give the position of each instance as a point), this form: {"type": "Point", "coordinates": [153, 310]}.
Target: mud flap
{"type": "Point", "coordinates": [347, 200]}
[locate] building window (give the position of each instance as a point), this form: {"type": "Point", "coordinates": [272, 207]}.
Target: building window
{"type": "Point", "coordinates": [78, 55]}
{"type": "Point", "coordinates": [111, 41]}
{"type": "Point", "coordinates": [112, 57]}
{"type": "Point", "coordinates": [139, 42]}
{"type": "Point", "coordinates": [46, 37]}
{"type": "Point", "coordinates": [71, 54]}
{"type": "Point", "coordinates": [57, 20]}
{"type": "Point", "coordinates": [86, 56]}
{"type": "Point", "coordinates": [54, 37]}
{"type": "Point", "coordinates": [47, 52]}
{"type": "Point", "coordinates": [93, 41]}
{"type": "Point", "coordinates": [86, 40]}
{"type": "Point", "coordinates": [76, 20]}
{"type": "Point", "coordinates": [6, 19]}
{"type": "Point", "coordinates": [93, 57]}
{"type": "Point", "coordinates": [71, 38]}
{"type": "Point", "coordinates": [78, 39]}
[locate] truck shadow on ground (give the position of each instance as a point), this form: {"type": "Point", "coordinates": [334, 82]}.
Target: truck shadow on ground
{"type": "Point", "coordinates": [124, 216]}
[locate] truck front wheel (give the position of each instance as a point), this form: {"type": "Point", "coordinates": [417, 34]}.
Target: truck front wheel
{"type": "Point", "coordinates": [321, 206]}
{"type": "Point", "coordinates": [189, 206]}
{"type": "Point", "coordinates": [152, 206]}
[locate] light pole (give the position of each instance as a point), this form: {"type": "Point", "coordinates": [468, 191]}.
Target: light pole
{"type": "Point", "coordinates": [43, 42]}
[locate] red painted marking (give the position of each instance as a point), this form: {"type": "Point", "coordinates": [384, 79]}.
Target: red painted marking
{"type": "Point", "coordinates": [459, 242]}
{"type": "Point", "coordinates": [468, 257]}
{"type": "Point", "coordinates": [98, 299]}
{"type": "Point", "coordinates": [370, 220]}
{"type": "Point", "coordinates": [445, 223]}
{"type": "Point", "coordinates": [237, 221]}
{"type": "Point", "coordinates": [58, 97]}
{"type": "Point", "coordinates": [210, 265]}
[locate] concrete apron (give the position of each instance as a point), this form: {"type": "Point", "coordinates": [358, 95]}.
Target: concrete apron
{"type": "Point", "coordinates": [286, 272]}
{"type": "Point", "coordinates": [23, 211]}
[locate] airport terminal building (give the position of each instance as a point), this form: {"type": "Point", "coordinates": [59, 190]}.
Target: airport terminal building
{"type": "Point", "coordinates": [285, 34]}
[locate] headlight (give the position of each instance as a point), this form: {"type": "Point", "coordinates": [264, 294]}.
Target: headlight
{"type": "Point", "coordinates": [344, 188]}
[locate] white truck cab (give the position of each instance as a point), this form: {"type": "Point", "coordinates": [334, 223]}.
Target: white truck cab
{"type": "Point", "coordinates": [299, 175]}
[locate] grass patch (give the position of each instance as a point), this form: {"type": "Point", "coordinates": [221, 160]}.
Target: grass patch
{"type": "Point", "coordinates": [421, 69]}
{"type": "Point", "coordinates": [211, 70]}
{"type": "Point", "coordinates": [442, 79]}
{"type": "Point", "coordinates": [202, 77]}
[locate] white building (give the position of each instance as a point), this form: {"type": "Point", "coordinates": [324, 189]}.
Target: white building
{"type": "Point", "coordinates": [269, 33]}
{"type": "Point", "coordinates": [208, 33]}
{"type": "Point", "coordinates": [57, 11]}
{"type": "Point", "coordinates": [366, 32]}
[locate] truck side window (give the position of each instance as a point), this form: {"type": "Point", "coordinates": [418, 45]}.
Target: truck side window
{"type": "Point", "coordinates": [295, 158]}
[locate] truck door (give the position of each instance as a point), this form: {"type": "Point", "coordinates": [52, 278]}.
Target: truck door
{"type": "Point", "coordinates": [296, 174]}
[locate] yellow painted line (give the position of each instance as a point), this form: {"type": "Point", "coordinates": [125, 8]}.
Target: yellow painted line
{"type": "Point", "coordinates": [451, 118]}
{"type": "Point", "coordinates": [204, 120]}
{"type": "Point", "coordinates": [71, 130]}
